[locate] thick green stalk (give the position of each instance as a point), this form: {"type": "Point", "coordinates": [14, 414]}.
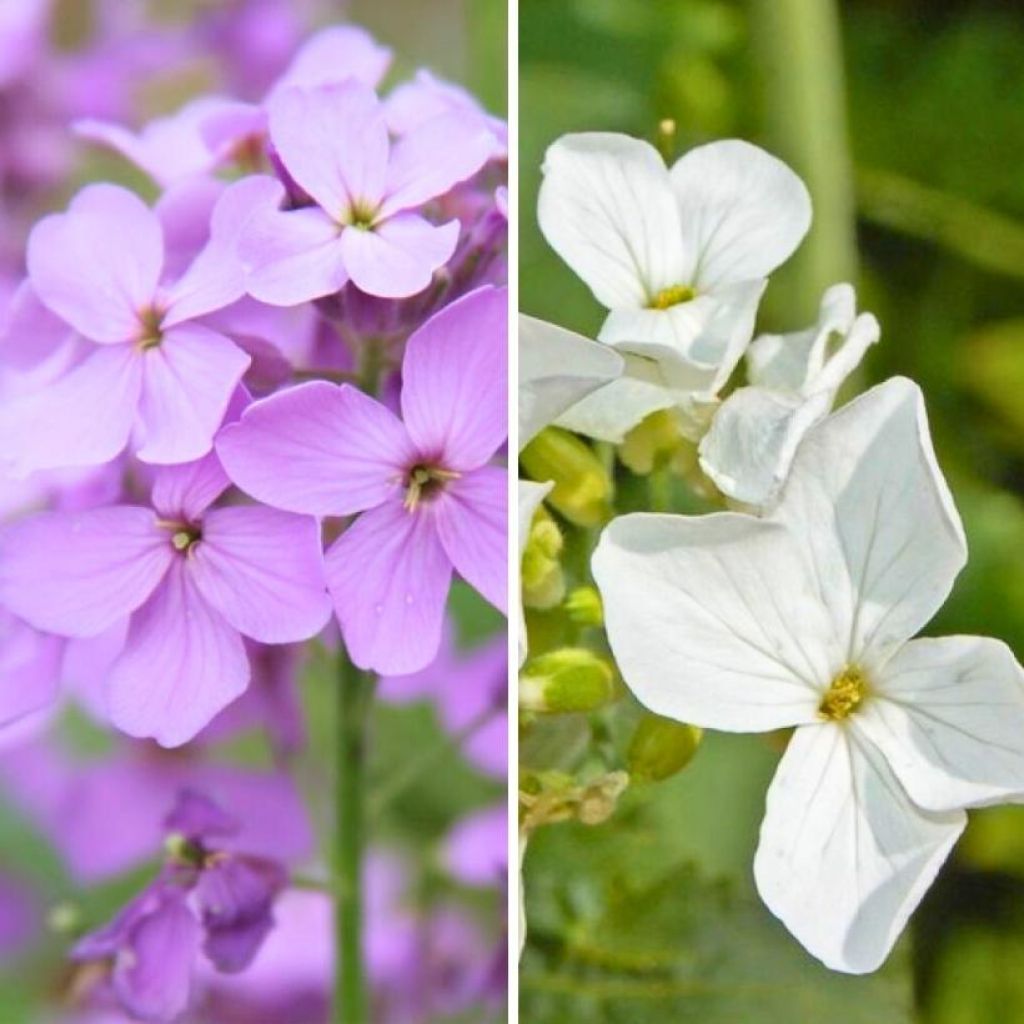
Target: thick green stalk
{"type": "Point", "coordinates": [355, 702]}
{"type": "Point", "coordinates": [797, 48]}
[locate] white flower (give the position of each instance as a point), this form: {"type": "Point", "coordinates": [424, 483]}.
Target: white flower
{"type": "Point", "coordinates": [678, 257]}
{"type": "Point", "coordinates": [804, 619]}
{"type": "Point", "coordinates": [794, 380]}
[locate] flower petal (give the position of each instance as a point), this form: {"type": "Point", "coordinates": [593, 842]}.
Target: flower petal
{"type": "Point", "coordinates": [455, 381]}
{"type": "Point", "coordinates": [398, 257]}
{"type": "Point", "coordinates": [263, 571]}
{"type": "Point", "coordinates": [432, 158]}
{"type": "Point", "coordinates": [318, 449]}
{"type": "Point", "coordinates": [335, 54]}
{"type": "Point", "coordinates": [388, 575]}
{"type": "Point", "coordinates": [78, 573]}
{"type": "Point", "coordinates": [844, 856]}
{"type": "Point", "coordinates": [948, 715]}
{"type": "Point", "coordinates": [290, 256]}
{"type": "Point", "coordinates": [742, 210]}
{"type": "Point", "coordinates": [877, 520]}
{"type": "Point", "coordinates": [186, 491]}
{"type": "Point", "coordinates": [30, 669]}
{"type": "Point", "coordinates": [606, 207]}
{"type": "Point", "coordinates": [83, 418]}
{"type": "Point", "coordinates": [181, 664]}
{"type": "Point", "coordinates": [99, 264]}
{"type": "Point", "coordinates": [713, 621]}
{"type": "Point", "coordinates": [557, 368]}
{"type": "Point", "coordinates": [187, 384]}
{"type": "Point", "coordinates": [472, 522]}
{"type": "Point", "coordinates": [753, 439]}
{"type": "Point", "coordinates": [333, 140]}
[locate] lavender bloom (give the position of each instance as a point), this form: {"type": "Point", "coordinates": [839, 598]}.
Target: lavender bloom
{"type": "Point", "coordinates": [431, 502]}
{"type": "Point", "coordinates": [150, 371]}
{"type": "Point", "coordinates": [193, 579]}
{"type": "Point", "coordinates": [333, 143]}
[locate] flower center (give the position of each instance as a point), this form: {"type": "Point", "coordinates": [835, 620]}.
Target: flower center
{"type": "Point", "coordinates": [150, 320]}
{"type": "Point", "coordinates": [844, 695]}
{"type": "Point", "coordinates": [184, 536]}
{"type": "Point", "coordinates": [673, 296]}
{"type": "Point", "coordinates": [424, 483]}
{"type": "Point", "coordinates": [361, 215]}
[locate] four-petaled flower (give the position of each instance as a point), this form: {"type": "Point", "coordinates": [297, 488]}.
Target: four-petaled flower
{"type": "Point", "coordinates": [804, 620]}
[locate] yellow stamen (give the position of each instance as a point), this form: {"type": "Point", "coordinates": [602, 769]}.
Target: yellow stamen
{"type": "Point", "coordinates": [844, 695]}
{"type": "Point", "coordinates": [673, 296]}
{"type": "Point", "coordinates": [425, 481]}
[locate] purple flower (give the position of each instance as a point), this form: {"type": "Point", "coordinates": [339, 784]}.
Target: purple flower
{"type": "Point", "coordinates": [430, 500]}
{"type": "Point", "coordinates": [147, 370]}
{"type": "Point", "coordinates": [476, 851]}
{"type": "Point", "coordinates": [30, 668]}
{"type": "Point", "coordinates": [193, 579]}
{"type": "Point", "coordinates": [333, 143]}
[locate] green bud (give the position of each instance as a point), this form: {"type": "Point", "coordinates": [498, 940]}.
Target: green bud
{"type": "Point", "coordinates": [181, 850]}
{"type": "Point", "coordinates": [542, 579]}
{"type": "Point", "coordinates": [570, 679]}
{"type": "Point", "coordinates": [64, 919]}
{"type": "Point", "coordinates": [660, 748]}
{"type": "Point", "coordinates": [582, 487]}
{"type": "Point", "coordinates": [654, 442]}
{"type": "Point", "coordinates": [584, 608]}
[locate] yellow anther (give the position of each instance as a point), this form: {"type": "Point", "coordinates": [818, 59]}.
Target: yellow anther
{"type": "Point", "coordinates": [844, 695]}
{"type": "Point", "coordinates": [673, 296]}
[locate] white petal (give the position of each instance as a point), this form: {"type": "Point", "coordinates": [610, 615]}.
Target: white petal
{"type": "Point", "coordinates": [800, 361]}
{"type": "Point", "coordinates": [713, 621]}
{"type": "Point", "coordinates": [844, 856]}
{"type": "Point", "coordinates": [743, 211]}
{"type": "Point", "coordinates": [556, 369]}
{"type": "Point", "coordinates": [698, 342]}
{"type": "Point", "coordinates": [949, 717]}
{"type": "Point", "coordinates": [876, 519]}
{"type": "Point", "coordinates": [606, 207]}
{"type": "Point", "coordinates": [752, 441]}
{"type": "Point", "coordinates": [530, 496]}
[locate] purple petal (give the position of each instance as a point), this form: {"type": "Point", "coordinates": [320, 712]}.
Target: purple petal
{"type": "Point", "coordinates": [197, 816]}
{"type": "Point", "coordinates": [472, 522]}
{"type": "Point", "coordinates": [263, 571]}
{"type": "Point", "coordinates": [334, 142]}
{"type": "Point", "coordinates": [235, 897]}
{"type": "Point", "coordinates": [318, 449]}
{"type": "Point", "coordinates": [153, 974]}
{"type": "Point", "coordinates": [83, 418]}
{"type": "Point", "coordinates": [434, 157]}
{"type": "Point", "coordinates": [335, 54]}
{"type": "Point", "coordinates": [181, 664]}
{"type": "Point", "coordinates": [216, 277]}
{"type": "Point", "coordinates": [29, 333]}
{"type": "Point", "coordinates": [78, 573]}
{"type": "Point", "coordinates": [290, 256]}
{"type": "Point", "coordinates": [455, 380]}
{"type": "Point", "coordinates": [185, 492]}
{"type": "Point", "coordinates": [98, 264]}
{"type": "Point", "coordinates": [389, 576]}
{"type": "Point", "coordinates": [188, 381]}
{"type": "Point", "coordinates": [398, 257]}
{"type": "Point", "coordinates": [184, 212]}
{"type": "Point", "coordinates": [29, 669]}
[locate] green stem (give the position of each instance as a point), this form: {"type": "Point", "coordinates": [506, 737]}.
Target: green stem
{"type": "Point", "coordinates": [355, 701]}
{"type": "Point", "coordinates": [798, 53]}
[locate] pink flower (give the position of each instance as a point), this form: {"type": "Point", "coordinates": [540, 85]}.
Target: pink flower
{"type": "Point", "coordinates": [431, 501]}
{"type": "Point", "coordinates": [145, 368]}
{"type": "Point", "coordinates": [193, 579]}
{"type": "Point", "coordinates": [333, 143]}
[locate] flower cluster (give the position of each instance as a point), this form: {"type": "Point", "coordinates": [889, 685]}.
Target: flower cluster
{"type": "Point", "coordinates": [266, 408]}
{"type": "Point", "coordinates": [795, 608]}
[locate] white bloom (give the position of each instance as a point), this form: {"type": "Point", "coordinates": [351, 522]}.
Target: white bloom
{"type": "Point", "coordinates": [804, 619]}
{"type": "Point", "coordinates": [794, 380]}
{"type": "Point", "coordinates": [678, 257]}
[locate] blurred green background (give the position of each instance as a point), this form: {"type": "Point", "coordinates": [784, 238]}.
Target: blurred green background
{"type": "Point", "coordinates": [906, 119]}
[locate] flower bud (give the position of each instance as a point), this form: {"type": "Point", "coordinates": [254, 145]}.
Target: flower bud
{"type": "Point", "coordinates": [660, 747]}
{"type": "Point", "coordinates": [542, 580]}
{"type": "Point", "coordinates": [582, 487]}
{"type": "Point", "coordinates": [570, 679]}
{"type": "Point", "coordinates": [654, 442]}
{"type": "Point", "coordinates": [599, 799]}
{"type": "Point", "coordinates": [584, 608]}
